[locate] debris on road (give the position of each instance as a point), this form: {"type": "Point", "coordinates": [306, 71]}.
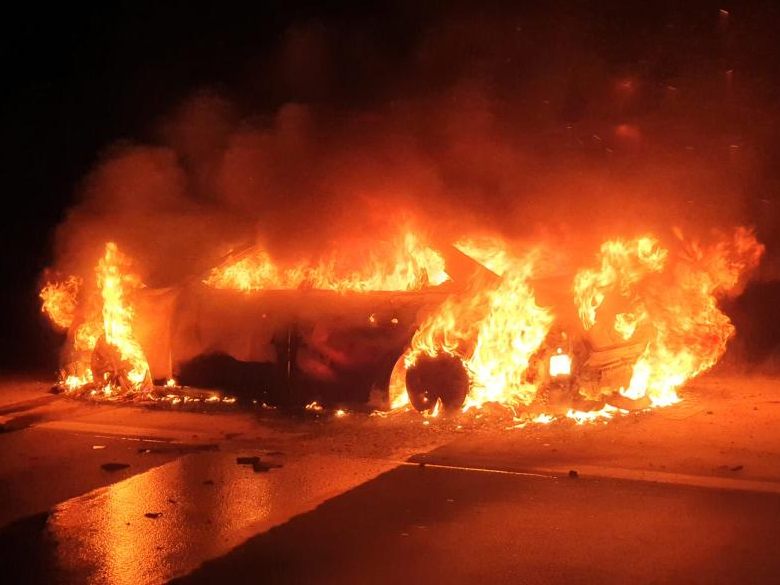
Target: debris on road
{"type": "Point", "coordinates": [247, 460]}
{"type": "Point", "coordinates": [182, 449]}
{"type": "Point", "coordinates": [114, 466]}
{"type": "Point", "coordinates": [573, 474]}
{"type": "Point", "coordinates": [257, 465]}
{"type": "Point", "coordinates": [153, 515]}
{"type": "Point", "coordinates": [724, 468]}
{"type": "Point", "coordinates": [261, 467]}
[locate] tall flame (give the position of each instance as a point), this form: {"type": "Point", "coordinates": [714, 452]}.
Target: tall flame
{"type": "Point", "coordinates": [689, 332]}
{"type": "Point", "coordinates": [114, 281]}
{"type": "Point", "coordinates": [107, 357]}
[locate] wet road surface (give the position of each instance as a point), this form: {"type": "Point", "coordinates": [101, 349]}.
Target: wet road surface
{"type": "Point", "coordinates": [348, 500]}
{"type": "Point", "coordinates": [429, 525]}
{"type": "Point", "coordinates": [410, 524]}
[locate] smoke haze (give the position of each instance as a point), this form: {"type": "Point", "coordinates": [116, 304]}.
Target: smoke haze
{"type": "Point", "coordinates": [533, 125]}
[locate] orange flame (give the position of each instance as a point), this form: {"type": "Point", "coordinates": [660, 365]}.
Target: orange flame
{"type": "Point", "coordinates": [498, 327]}
{"type": "Point", "coordinates": [409, 265]}
{"type": "Point", "coordinates": [105, 336]}
{"type": "Point", "coordinates": [59, 301]}
{"type": "Point", "coordinates": [622, 264]}
{"type": "Point", "coordinates": [114, 282]}
{"type": "Point", "coordinates": [495, 328]}
{"type": "Point", "coordinates": [495, 331]}
{"type": "Point", "coordinates": [689, 331]}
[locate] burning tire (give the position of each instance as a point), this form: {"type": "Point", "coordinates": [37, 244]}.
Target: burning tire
{"type": "Point", "coordinates": [442, 378]}
{"type": "Point", "coordinates": [108, 368]}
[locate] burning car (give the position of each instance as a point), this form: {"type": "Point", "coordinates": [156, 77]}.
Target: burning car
{"type": "Point", "coordinates": [434, 326]}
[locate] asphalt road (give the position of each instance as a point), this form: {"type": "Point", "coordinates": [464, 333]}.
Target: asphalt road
{"type": "Point", "coordinates": [427, 525]}
{"type": "Point", "coordinates": [679, 496]}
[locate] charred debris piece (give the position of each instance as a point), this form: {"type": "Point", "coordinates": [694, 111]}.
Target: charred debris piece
{"type": "Point", "coordinates": [258, 466]}
{"type": "Point", "coordinates": [261, 467]}
{"type": "Point", "coordinates": [182, 449]}
{"type": "Point", "coordinates": [247, 460]}
{"type": "Point", "coordinates": [113, 466]}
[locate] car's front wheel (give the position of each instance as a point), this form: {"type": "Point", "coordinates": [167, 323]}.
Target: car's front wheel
{"type": "Point", "coordinates": [443, 377]}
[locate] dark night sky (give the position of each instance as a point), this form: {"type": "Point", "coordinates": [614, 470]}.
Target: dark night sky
{"type": "Point", "coordinates": [75, 80]}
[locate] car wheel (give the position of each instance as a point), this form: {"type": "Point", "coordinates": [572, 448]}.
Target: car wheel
{"type": "Point", "coordinates": [432, 378]}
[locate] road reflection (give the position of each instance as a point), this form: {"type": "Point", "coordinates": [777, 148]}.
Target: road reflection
{"type": "Point", "coordinates": [167, 521]}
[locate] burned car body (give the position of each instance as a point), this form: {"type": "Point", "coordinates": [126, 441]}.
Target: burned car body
{"type": "Point", "coordinates": [436, 325]}
{"type": "Point", "coordinates": [303, 345]}
{"type": "Point", "coordinates": [286, 346]}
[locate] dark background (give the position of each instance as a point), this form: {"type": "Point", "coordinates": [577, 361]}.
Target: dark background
{"type": "Point", "coordinates": [77, 79]}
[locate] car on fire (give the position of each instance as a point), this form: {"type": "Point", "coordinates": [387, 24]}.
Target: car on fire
{"type": "Point", "coordinates": [295, 346]}
{"type": "Point", "coordinates": [440, 325]}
